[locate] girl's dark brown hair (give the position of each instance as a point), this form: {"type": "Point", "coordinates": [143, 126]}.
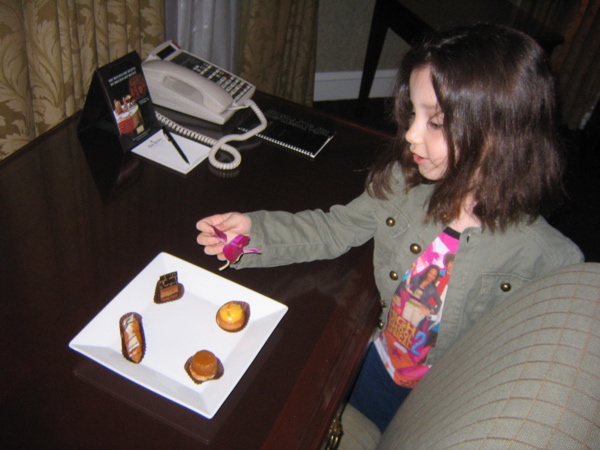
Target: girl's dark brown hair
{"type": "Point", "coordinates": [496, 93]}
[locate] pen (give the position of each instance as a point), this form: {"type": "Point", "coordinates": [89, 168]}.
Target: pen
{"type": "Point", "coordinates": [170, 138]}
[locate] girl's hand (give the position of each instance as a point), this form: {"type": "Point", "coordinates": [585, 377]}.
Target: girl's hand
{"type": "Point", "coordinates": [232, 224]}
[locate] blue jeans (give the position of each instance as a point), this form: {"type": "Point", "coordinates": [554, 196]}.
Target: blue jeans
{"type": "Point", "coordinates": [375, 394]}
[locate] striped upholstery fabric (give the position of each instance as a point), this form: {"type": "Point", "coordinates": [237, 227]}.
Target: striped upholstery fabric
{"type": "Point", "coordinates": [359, 433]}
{"type": "Point", "coordinates": [526, 376]}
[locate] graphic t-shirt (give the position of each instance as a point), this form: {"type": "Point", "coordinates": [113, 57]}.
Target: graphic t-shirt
{"type": "Point", "coordinates": [416, 311]}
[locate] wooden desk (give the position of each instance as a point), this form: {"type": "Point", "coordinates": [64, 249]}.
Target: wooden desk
{"type": "Point", "coordinates": [410, 19]}
{"type": "Point", "coordinates": [65, 253]}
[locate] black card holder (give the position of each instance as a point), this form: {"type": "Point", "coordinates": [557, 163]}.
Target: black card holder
{"type": "Point", "coordinates": [118, 104]}
{"type": "Point", "coordinates": [118, 115]}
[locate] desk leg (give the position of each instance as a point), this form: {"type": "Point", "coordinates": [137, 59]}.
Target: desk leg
{"type": "Point", "coordinates": [379, 26]}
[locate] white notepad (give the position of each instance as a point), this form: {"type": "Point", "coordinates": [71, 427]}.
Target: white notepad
{"type": "Point", "coordinates": [159, 149]}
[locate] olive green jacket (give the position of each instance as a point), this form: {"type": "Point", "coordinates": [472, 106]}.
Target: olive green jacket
{"type": "Point", "coordinates": [488, 266]}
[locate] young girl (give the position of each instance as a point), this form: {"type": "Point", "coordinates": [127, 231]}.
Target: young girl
{"type": "Point", "coordinates": [460, 189]}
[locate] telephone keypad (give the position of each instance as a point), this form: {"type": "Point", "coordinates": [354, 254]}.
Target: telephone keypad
{"type": "Point", "coordinates": [235, 86]}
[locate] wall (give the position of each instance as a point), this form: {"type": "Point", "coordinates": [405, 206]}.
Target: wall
{"type": "Point", "coordinates": [343, 33]}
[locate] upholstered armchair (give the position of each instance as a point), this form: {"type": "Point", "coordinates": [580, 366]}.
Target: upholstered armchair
{"type": "Point", "coordinates": [526, 376]}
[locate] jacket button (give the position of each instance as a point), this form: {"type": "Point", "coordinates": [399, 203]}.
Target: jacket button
{"type": "Point", "coordinates": [390, 221]}
{"type": "Point", "coordinates": [393, 275]}
{"type": "Point", "coordinates": [415, 249]}
{"type": "Point", "coordinates": [505, 287]}
{"type": "Point", "coordinates": [380, 324]}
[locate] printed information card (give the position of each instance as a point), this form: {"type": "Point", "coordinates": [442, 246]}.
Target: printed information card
{"type": "Point", "coordinates": [118, 101]}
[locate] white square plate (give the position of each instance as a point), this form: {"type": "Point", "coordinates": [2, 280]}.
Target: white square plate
{"type": "Point", "coordinates": [176, 330]}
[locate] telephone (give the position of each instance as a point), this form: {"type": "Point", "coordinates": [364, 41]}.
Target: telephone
{"type": "Point", "coordinates": [183, 82]}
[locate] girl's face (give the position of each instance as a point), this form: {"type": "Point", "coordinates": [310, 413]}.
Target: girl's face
{"type": "Point", "coordinates": [425, 135]}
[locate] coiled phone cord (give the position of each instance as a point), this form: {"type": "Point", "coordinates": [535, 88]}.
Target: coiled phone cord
{"type": "Point", "coordinates": [220, 144]}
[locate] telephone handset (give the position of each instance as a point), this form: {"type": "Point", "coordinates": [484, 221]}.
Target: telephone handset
{"type": "Point", "coordinates": [183, 82]}
{"type": "Point", "coordinates": [176, 87]}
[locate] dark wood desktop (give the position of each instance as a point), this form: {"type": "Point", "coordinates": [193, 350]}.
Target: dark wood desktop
{"type": "Point", "coordinates": [73, 234]}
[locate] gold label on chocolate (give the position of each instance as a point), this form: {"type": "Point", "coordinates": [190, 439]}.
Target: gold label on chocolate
{"type": "Point", "coordinates": [168, 279]}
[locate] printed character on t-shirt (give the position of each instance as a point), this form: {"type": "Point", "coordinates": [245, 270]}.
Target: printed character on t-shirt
{"type": "Point", "coordinates": [416, 311]}
{"type": "Point", "coordinates": [423, 298]}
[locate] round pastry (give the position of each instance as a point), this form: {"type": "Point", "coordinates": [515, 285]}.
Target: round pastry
{"type": "Point", "coordinates": [203, 366]}
{"type": "Point", "coordinates": [233, 316]}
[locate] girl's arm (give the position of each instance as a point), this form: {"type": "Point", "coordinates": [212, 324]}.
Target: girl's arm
{"type": "Point", "coordinates": [285, 238]}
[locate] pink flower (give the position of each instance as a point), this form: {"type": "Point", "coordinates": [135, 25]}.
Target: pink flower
{"type": "Point", "coordinates": [234, 249]}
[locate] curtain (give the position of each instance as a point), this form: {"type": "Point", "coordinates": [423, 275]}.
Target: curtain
{"type": "Point", "coordinates": [49, 50]}
{"type": "Point", "coordinates": [278, 45]}
{"type": "Point", "coordinates": [206, 28]}
{"type": "Point", "coordinates": [555, 14]}
{"type": "Point", "coordinates": [578, 66]}
{"type": "Point", "coordinates": [575, 62]}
